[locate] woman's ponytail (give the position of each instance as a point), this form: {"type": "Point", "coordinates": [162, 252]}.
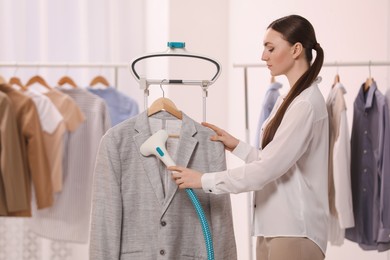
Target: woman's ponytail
{"type": "Point", "coordinates": [295, 29]}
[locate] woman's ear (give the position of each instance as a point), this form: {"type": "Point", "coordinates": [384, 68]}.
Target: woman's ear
{"type": "Point", "coordinates": [297, 49]}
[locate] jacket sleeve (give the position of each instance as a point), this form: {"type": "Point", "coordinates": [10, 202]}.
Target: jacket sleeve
{"type": "Point", "coordinates": [106, 222]}
{"type": "Point", "coordinates": [37, 157]}
{"type": "Point", "coordinates": [11, 163]}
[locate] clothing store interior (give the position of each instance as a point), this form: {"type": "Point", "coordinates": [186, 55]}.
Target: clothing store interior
{"type": "Point", "coordinates": [85, 67]}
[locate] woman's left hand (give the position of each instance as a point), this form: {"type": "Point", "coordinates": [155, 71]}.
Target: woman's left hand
{"type": "Point", "coordinates": [185, 177]}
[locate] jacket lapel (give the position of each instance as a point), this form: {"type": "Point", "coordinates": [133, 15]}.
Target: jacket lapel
{"type": "Point", "coordinates": [187, 144]}
{"type": "Point", "coordinates": [186, 147]}
{"type": "Point", "coordinates": [150, 163]}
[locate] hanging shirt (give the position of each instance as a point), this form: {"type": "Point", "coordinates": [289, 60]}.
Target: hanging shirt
{"type": "Point", "coordinates": [66, 105]}
{"type": "Point", "coordinates": [49, 115]}
{"type": "Point", "coordinates": [69, 218]}
{"type": "Point", "coordinates": [289, 176]}
{"type": "Point", "coordinates": [53, 131]}
{"type": "Point", "coordinates": [13, 193]}
{"type": "Point", "coordinates": [72, 119]}
{"type": "Point", "coordinates": [137, 215]}
{"type": "Point", "coordinates": [120, 106]}
{"type": "Point", "coordinates": [35, 163]}
{"type": "Point", "coordinates": [340, 194]}
{"type": "Point", "coordinates": [270, 98]}
{"type": "Point", "coordinates": [370, 169]}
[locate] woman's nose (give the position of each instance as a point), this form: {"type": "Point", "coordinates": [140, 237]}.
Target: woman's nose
{"type": "Point", "coordinates": [264, 57]}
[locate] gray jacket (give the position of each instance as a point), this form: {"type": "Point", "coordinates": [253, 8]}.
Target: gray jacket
{"type": "Point", "coordinates": [131, 218]}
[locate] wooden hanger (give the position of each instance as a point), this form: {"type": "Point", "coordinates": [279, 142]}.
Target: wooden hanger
{"type": "Point", "coordinates": [67, 80]}
{"type": "Point", "coordinates": [368, 83]}
{"type": "Point", "coordinates": [99, 79]}
{"type": "Point", "coordinates": [37, 79]}
{"type": "Point", "coordinates": [336, 80]}
{"type": "Point", "coordinates": [16, 81]}
{"type": "Point", "coordinates": [164, 104]}
{"type": "Point", "coordinates": [369, 80]}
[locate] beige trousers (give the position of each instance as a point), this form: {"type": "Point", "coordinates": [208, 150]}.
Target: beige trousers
{"type": "Point", "coordinates": [287, 248]}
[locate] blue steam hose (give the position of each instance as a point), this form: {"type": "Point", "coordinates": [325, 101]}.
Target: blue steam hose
{"type": "Point", "coordinates": [203, 221]}
{"type": "Point", "coordinates": [155, 145]}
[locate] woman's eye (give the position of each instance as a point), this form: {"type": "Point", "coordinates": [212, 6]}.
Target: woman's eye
{"type": "Point", "coordinates": [271, 49]}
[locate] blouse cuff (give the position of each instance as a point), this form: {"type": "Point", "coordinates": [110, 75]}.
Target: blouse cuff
{"type": "Point", "coordinates": [208, 182]}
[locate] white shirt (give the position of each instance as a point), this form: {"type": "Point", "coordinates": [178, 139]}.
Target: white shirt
{"type": "Point", "coordinates": [49, 115]}
{"type": "Point", "coordinates": [289, 176]}
{"type": "Point", "coordinates": [340, 193]}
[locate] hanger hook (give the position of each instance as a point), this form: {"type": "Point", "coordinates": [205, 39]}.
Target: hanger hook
{"type": "Point", "coordinates": [16, 69]}
{"type": "Point", "coordinates": [162, 81]}
{"type": "Point", "coordinates": [337, 68]}
{"type": "Point", "coordinates": [369, 68]}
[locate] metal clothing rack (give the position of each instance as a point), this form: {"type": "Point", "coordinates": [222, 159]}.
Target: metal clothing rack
{"type": "Point", "coordinates": [326, 64]}
{"type": "Point", "coordinates": [115, 66]}
{"type": "Point", "coordinates": [245, 67]}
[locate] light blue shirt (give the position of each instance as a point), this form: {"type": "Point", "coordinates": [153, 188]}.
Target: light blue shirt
{"type": "Point", "coordinates": [120, 106]}
{"type": "Point", "coordinates": [270, 98]}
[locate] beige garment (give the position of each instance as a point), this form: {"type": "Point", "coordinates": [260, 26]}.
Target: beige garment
{"type": "Point", "coordinates": [53, 130]}
{"type": "Point", "coordinates": [73, 117]}
{"type": "Point", "coordinates": [335, 107]}
{"type": "Point", "coordinates": [49, 115]}
{"type": "Point", "coordinates": [35, 162]}
{"type": "Point", "coordinates": [291, 248]}
{"type": "Point", "coordinates": [13, 196]}
{"type": "Point", "coordinates": [339, 171]}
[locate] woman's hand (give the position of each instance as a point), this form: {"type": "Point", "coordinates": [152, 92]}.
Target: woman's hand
{"type": "Point", "coordinates": [186, 178]}
{"type": "Point", "coordinates": [229, 141]}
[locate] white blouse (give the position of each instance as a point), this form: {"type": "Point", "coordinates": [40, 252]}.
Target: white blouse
{"type": "Point", "coordinates": [289, 176]}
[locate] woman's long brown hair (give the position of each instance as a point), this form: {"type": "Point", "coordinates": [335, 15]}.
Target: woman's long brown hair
{"type": "Point", "coordinates": [295, 28]}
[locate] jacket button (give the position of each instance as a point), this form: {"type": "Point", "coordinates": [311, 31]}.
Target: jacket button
{"type": "Point", "coordinates": [162, 252]}
{"type": "Point", "coordinates": [163, 223]}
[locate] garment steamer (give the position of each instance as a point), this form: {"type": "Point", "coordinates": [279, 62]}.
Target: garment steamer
{"type": "Point", "coordinates": [155, 145]}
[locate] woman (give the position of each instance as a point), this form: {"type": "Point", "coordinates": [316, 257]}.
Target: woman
{"type": "Point", "coordinates": [289, 173]}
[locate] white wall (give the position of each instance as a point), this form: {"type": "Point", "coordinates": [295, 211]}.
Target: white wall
{"type": "Point", "coordinates": [42, 31]}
